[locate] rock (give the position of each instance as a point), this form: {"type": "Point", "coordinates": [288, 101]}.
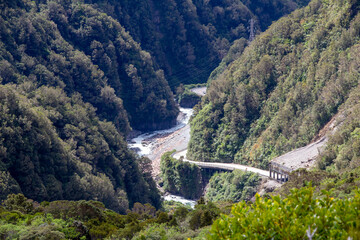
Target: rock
{"type": "Point", "coordinates": [189, 101]}
{"type": "Point", "coordinates": [153, 126]}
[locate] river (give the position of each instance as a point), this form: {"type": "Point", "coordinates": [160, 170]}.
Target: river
{"type": "Point", "coordinates": [154, 144]}
{"type": "Point", "coordinates": [145, 143]}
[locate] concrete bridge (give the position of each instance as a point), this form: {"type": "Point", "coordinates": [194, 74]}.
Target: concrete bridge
{"type": "Point", "coordinates": [304, 157]}
{"type": "Point", "coordinates": [277, 171]}
{"type": "Point", "coordinates": [280, 167]}
{"type": "Point", "coordinates": [221, 166]}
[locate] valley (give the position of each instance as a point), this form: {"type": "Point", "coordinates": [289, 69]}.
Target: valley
{"type": "Point", "coordinates": [179, 119]}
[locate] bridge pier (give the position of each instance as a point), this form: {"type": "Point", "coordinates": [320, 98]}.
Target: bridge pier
{"type": "Point", "coordinates": [278, 172]}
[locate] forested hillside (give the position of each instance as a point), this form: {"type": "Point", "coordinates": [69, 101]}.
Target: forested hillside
{"type": "Point", "coordinates": [55, 147]}
{"type": "Point", "coordinates": [72, 81]}
{"type": "Point", "coordinates": [283, 88]}
{"type": "Point", "coordinates": [78, 48]}
{"type": "Point", "coordinates": [77, 76]}
{"type": "Point", "coordinates": [189, 38]}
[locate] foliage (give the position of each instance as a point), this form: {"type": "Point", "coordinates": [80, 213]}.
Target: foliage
{"type": "Point", "coordinates": [342, 152]}
{"type": "Point", "coordinates": [172, 206]}
{"type": "Point", "coordinates": [234, 186]}
{"type": "Point", "coordinates": [55, 147]}
{"type": "Point", "coordinates": [187, 98]}
{"type": "Point", "coordinates": [298, 216]}
{"type": "Point", "coordinates": [75, 220]}
{"type": "Point", "coordinates": [283, 88]}
{"type": "Point", "coordinates": [340, 184]}
{"type": "Point", "coordinates": [189, 38]}
{"type": "Point", "coordinates": [91, 220]}
{"type": "Point", "coordinates": [81, 49]}
{"type": "Point", "coordinates": [18, 202]}
{"type": "Point", "coordinates": [180, 177]}
{"type": "Point", "coordinates": [235, 51]}
{"type": "Point", "coordinates": [74, 82]}
{"type": "Point", "coordinates": [203, 215]}
{"type": "Point", "coordinates": [192, 224]}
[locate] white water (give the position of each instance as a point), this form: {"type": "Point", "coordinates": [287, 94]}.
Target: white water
{"type": "Point", "coordinates": [142, 144]}
{"type": "Point", "coordinates": [182, 200]}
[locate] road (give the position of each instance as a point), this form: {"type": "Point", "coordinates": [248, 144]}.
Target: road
{"type": "Point", "coordinates": [304, 157]}
{"type": "Point", "coordinates": [223, 166]}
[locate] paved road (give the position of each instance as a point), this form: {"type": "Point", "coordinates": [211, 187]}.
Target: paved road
{"type": "Point", "coordinates": [224, 166]}
{"type": "Point", "coordinates": [304, 157]}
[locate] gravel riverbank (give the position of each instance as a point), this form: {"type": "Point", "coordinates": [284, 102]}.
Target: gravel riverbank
{"type": "Point", "coordinates": [177, 140]}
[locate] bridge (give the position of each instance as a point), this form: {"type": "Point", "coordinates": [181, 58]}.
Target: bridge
{"type": "Point", "coordinates": [280, 167]}
{"type": "Point", "coordinates": [277, 171]}
{"type": "Point", "coordinates": [304, 157]}
{"type": "Point", "coordinates": [221, 166]}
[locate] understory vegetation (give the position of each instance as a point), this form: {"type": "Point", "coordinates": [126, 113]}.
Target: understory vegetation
{"type": "Point", "coordinates": [233, 186]}
{"type": "Point", "coordinates": [181, 178]}
{"type": "Point", "coordinates": [22, 218]}
{"type": "Point", "coordinates": [54, 147]}
{"type": "Point", "coordinates": [300, 215]}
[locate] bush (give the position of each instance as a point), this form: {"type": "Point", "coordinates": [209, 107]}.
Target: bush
{"type": "Point", "coordinates": [180, 177]}
{"type": "Point", "coordinates": [234, 186]}
{"type": "Point", "coordinates": [297, 216]}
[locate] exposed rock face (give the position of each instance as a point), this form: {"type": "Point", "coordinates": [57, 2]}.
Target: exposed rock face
{"type": "Point", "coordinates": [153, 126]}
{"type": "Point", "coordinates": [189, 101]}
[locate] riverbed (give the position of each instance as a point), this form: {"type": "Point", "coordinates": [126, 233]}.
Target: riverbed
{"type": "Point", "coordinates": [154, 144]}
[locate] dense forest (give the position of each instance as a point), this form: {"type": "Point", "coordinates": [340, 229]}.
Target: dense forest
{"type": "Point", "coordinates": [276, 94]}
{"type": "Point", "coordinates": [22, 218]}
{"type": "Point", "coordinates": [78, 48]}
{"type": "Point", "coordinates": [55, 147]}
{"type": "Point", "coordinates": [301, 215]}
{"type": "Point", "coordinates": [77, 76]}
{"type": "Point", "coordinates": [64, 110]}
{"type": "Point", "coordinates": [189, 38]}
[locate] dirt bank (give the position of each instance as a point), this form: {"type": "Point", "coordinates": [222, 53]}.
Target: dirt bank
{"type": "Point", "coordinates": [305, 157]}
{"type": "Point", "coordinates": [201, 91]}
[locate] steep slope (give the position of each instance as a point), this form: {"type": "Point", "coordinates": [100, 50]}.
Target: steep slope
{"type": "Point", "coordinates": [80, 49]}
{"type": "Point", "coordinates": [63, 70]}
{"type": "Point", "coordinates": [189, 38]}
{"type": "Point", "coordinates": [55, 147]}
{"type": "Point", "coordinates": [283, 88]}
{"type": "Point", "coordinates": [74, 83]}
{"type": "Point", "coordinates": [343, 149]}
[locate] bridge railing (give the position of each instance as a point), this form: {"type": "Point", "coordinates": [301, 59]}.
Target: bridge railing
{"type": "Point", "coordinates": [214, 166]}
{"type": "Point", "coordinates": [278, 166]}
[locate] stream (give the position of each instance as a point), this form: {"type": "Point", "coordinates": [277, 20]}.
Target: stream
{"type": "Point", "coordinates": [147, 143]}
